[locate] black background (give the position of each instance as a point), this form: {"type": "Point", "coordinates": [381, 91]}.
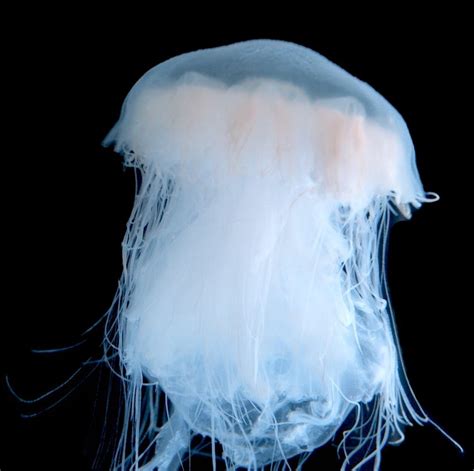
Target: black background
{"type": "Point", "coordinates": [68, 199]}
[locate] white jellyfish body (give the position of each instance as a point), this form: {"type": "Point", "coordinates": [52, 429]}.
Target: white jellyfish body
{"type": "Point", "coordinates": [252, 292]}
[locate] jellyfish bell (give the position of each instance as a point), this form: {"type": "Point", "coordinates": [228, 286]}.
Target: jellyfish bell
{"type": "Point", "coordinates": [253, 293]}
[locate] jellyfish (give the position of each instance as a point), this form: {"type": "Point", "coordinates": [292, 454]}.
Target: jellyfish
{"type": "Point", "coordinates": [253, 295]}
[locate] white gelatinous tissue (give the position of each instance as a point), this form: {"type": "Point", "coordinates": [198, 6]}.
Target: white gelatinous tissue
{"type": "Point", "coordinates": [253, 290]}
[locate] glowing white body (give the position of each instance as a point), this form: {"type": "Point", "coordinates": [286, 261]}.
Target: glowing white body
{"type": "Point", "coordinates": [252, 292]}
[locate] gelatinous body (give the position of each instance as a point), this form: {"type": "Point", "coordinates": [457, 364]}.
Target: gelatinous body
{"type": "Point", "coordinates": [252, 292]}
